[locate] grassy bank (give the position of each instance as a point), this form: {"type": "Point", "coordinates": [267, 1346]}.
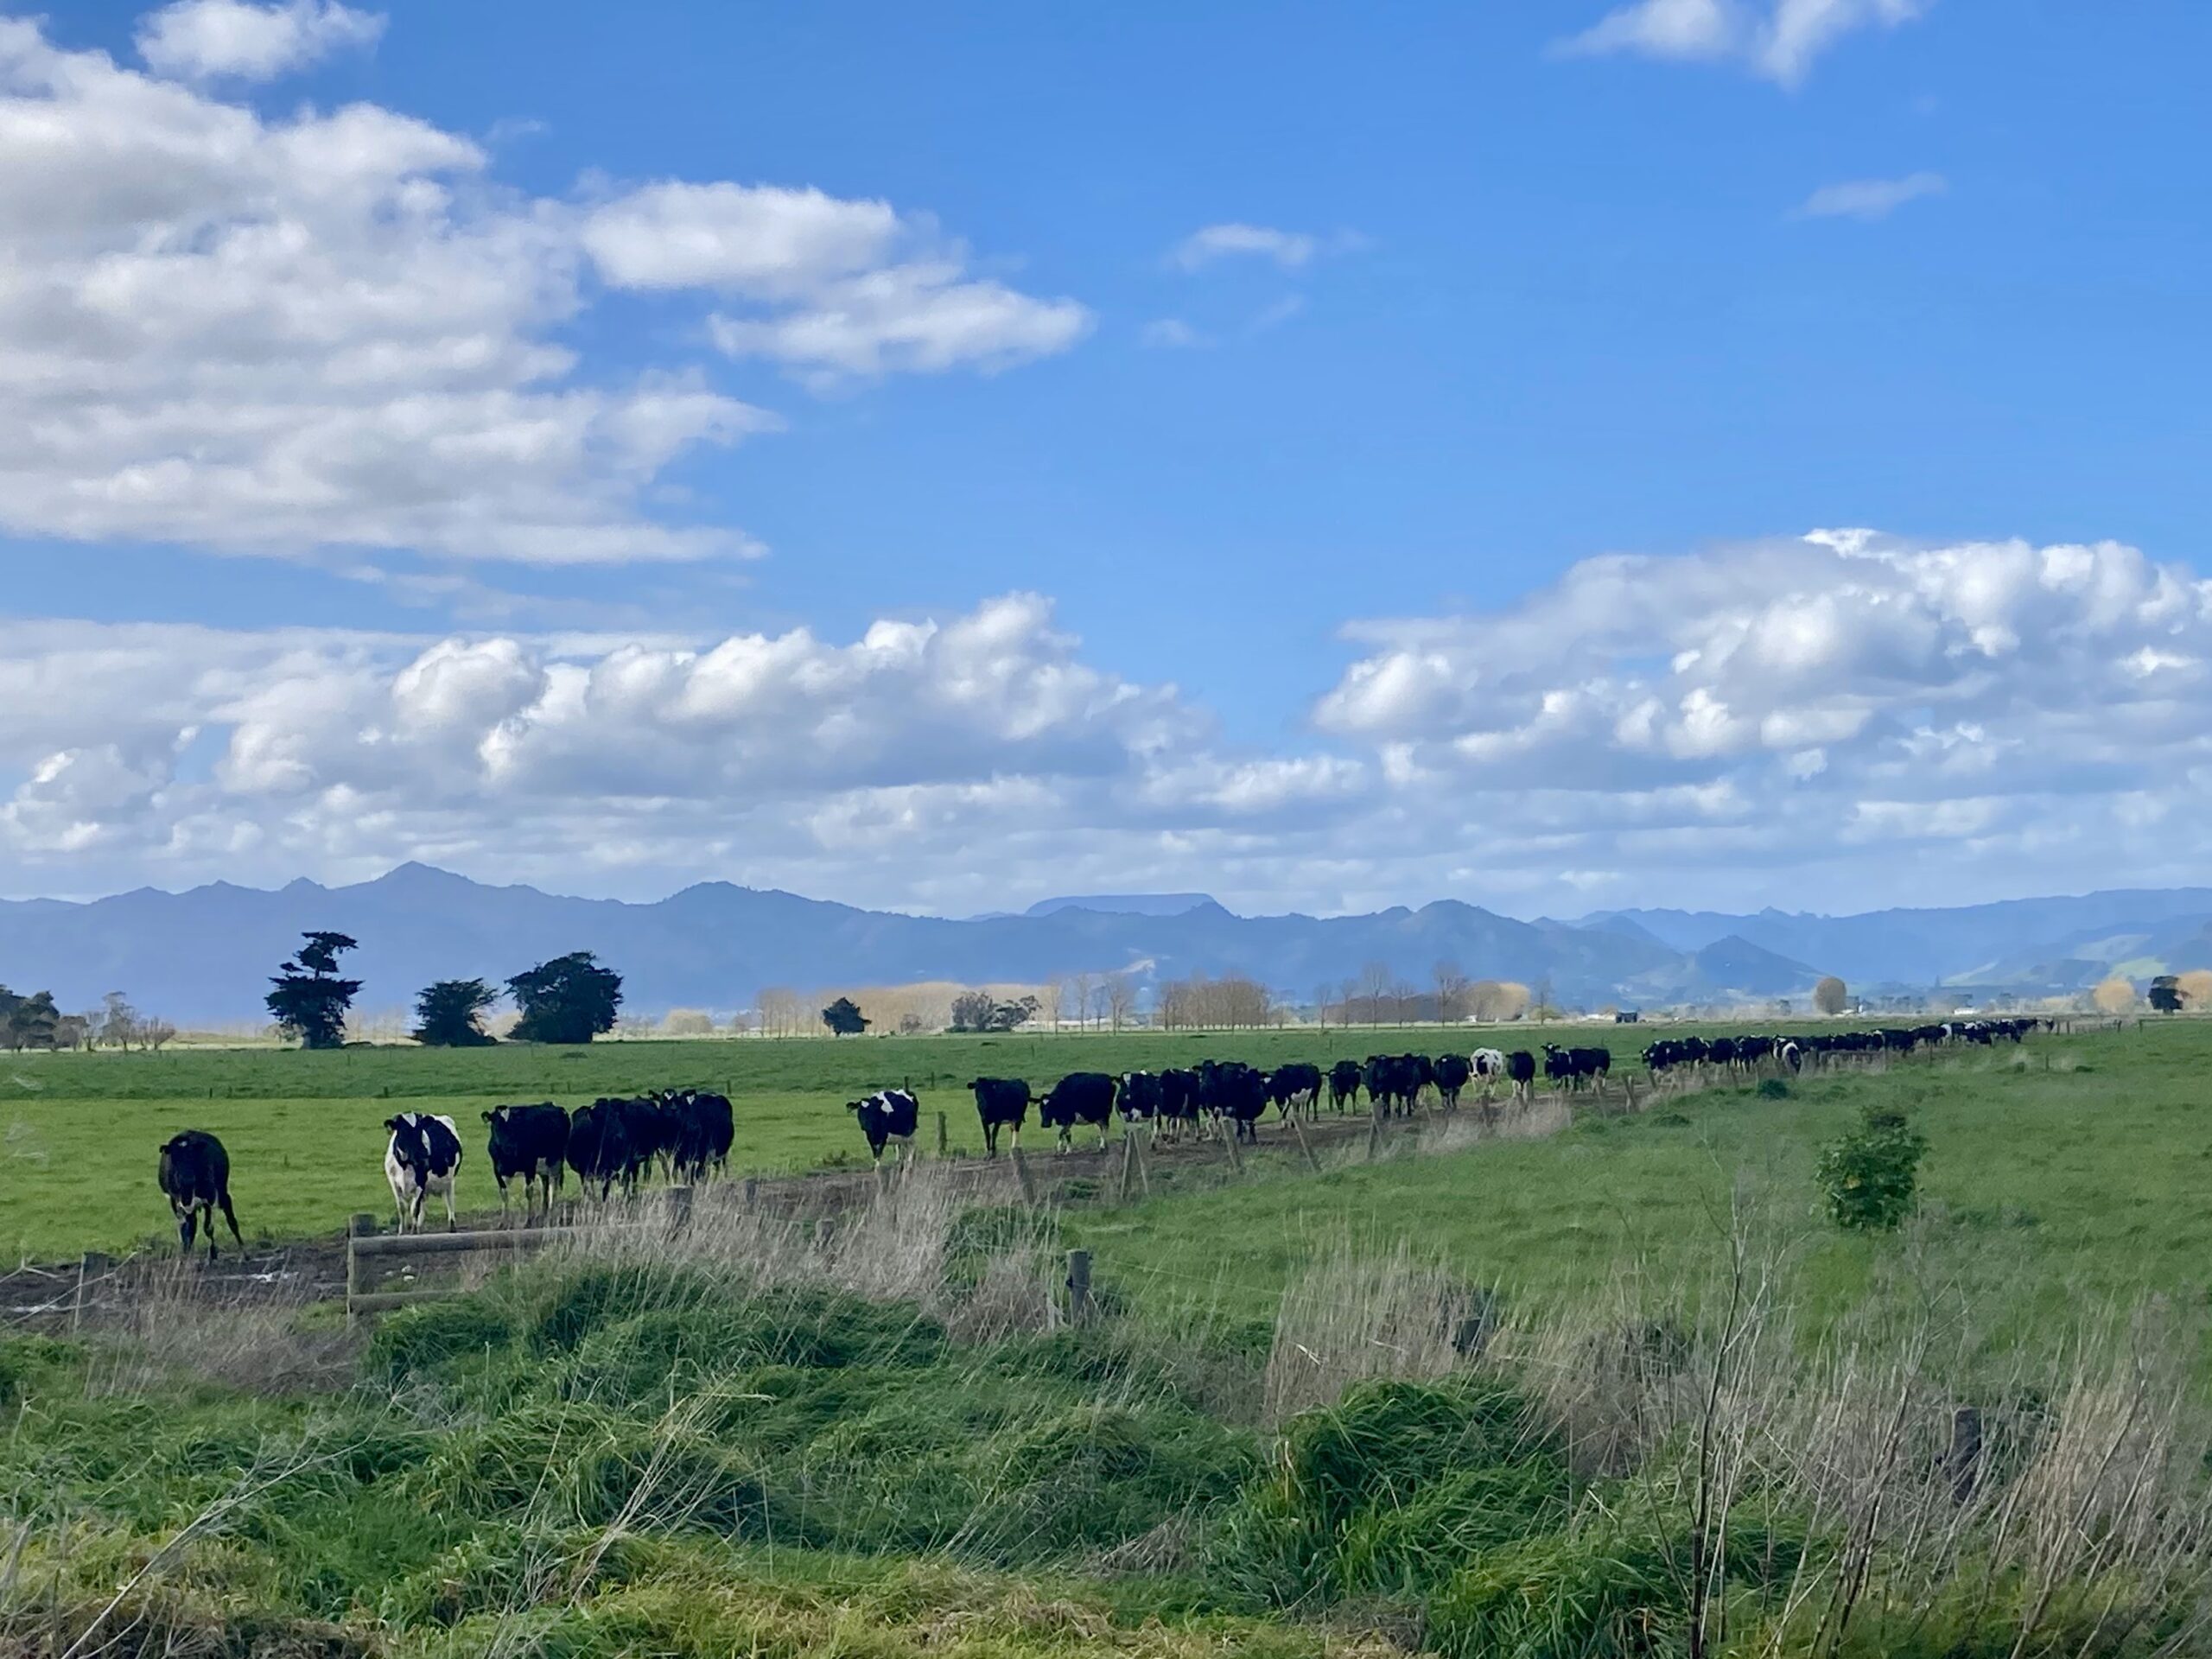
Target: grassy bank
{"type": "Point", "coordinates": [887, 1441]}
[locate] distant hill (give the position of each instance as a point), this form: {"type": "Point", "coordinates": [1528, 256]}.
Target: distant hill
{"type": "Point", "coordinates": [2023, 945]}
{"type": "Point", "coordinates": [1133, 903]}
{"type": "Point", "coordinates": [203, 957]}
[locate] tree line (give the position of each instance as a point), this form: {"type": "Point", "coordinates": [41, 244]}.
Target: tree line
{"type": "Point", "coordinates": [570, 999]}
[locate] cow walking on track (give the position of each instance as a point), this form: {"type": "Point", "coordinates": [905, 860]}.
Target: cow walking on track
{"type": "Point", "coordinates": [423, 1157]}
{"type": "Point", "coordinates": [195, 1177]}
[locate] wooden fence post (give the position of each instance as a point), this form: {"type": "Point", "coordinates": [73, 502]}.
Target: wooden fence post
{"type": "Point", "coordinates": [1144, 1168]}
{"type": "Point", "coordinates": [1229, 1145]}
{"type": "Point", "coordinates": [93, 1266]}
{"type": "Point", "coordinates": [1305, 1146]}
{"type": "Point", "coordinates": [1078, 1287]}
{"type": "Point", "coordinates": [943, 1135]}
{"type": "Point", "coordinates": [679, 1208]}
{"type": "Point", "coordinates": [1027, 1181]}
{"type": "Point", "coordinates": [361, 1225]}
{"type": "Point", "coordinates": [1375, 1137]}
{"type": "Point", "coordinates": [752, 1191]}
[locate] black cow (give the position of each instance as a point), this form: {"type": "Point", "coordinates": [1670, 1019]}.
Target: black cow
{"type": "Point", "coordinates": [1344, 1085]}
{"type": "Point", "coordinates": [1295, 1086]}
{"type": "Point", "coordinates": [1236, 1093]}
{"type": "Point", "coordinates": [1001, 1103]}
{"type": "Point", "coordinates": [530, 1142]}
{"type": "Point", "coordinates": [598, 1146]}
{"type": "Point", "coordinates": [196, 1175]}
{"type": "Point", "coordinates": [886, 1116]}
{"type": "Point", "coordinates": [1521, 1066]}
{"type": "Point", "coordinates": [1079, 1097]}
{"type": "Point", "coordinates": [702, 1128]}
{"type": "Point", "coordinates": [1452, 1073]}
{"type": "Point", "coordinates": [1181, 1090]}
{"type": "Point", "coordinates": [651, 1134]}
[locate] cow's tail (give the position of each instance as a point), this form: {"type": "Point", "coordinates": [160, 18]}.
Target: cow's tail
{"type": "Point", "coordinates": [229, 1214]}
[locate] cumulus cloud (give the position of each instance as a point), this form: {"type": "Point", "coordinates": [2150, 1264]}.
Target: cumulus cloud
{"type": "Point", "coordinates": [196, 40]}
{"type": "Point", "coordinates": [1870, 199]}
{"type": "Point", "coordinates": [1778, 40]}
{"type": "Point", "coordinates": [152, 744]}
{"type": "Point", "coordinates": [1908, 693]}
{"type": "Point", "coordinates": [333, 330]}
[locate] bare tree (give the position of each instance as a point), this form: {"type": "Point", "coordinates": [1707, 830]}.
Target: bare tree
{"type": "Point", "coordinates": [1080, 989]}
{"type": "Point", "coordinates": [155, 1031]}
{"type": "Point", "coordinates": [1373, 985]}
{"type": "Point", "coordinates": [1322, 993]}
{"type": "Point", "coordinates": [118, 1021]}
{"type": "Point", "coordinates": [1055, 991]}
{"type": "Point", "coordinates": [782, 1011]}
{"type": "Point", "coordinates": [1121, 1000]}
{"type": "Point", "coordinates": [1405, 997]}
{"type": "Point", "coordinates": [1451, 986]}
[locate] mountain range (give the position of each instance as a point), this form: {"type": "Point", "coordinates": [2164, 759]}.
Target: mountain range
{"type": "Point", "coordinates": [203, 955]}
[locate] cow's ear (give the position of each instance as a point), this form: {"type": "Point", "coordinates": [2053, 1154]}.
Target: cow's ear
{"type": "Point", "coordinates": [392, 1123]}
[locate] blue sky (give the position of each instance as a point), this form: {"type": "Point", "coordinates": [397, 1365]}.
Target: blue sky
{"type": "Point", "coordinates": [1516, 288]}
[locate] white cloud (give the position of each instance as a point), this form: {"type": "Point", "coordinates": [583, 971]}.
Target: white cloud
{"type": "Point", "coordinates": [1287, 249]}
{"type": "Point", "coordinates": [333, 330]}
{"type": "Point", "coordinates": [200, 40]}
{"type": "Point", "coordinates": [1777, 39]}
{"type": "Point", "coordinates": [1870, 199]}
{"type": "Point", "coordinates": [1840, 719]}
{"type": "Point", "coordinates": [1172, 333]}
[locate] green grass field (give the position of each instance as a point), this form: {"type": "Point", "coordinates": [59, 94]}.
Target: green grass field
{"type": "Point", "coordinates": [2091, 1167]}
{"type": "Point", "coordinates": [2073, 1169]}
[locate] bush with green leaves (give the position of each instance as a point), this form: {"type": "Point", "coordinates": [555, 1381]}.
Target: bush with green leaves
{"type": "Point", "coordinates": [1868, 1176]}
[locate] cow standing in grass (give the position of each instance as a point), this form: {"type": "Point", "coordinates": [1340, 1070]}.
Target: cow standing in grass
{"type": "Point", "coordinates": [1001, 1103]}
{"type": "Point", "coordinates": [423, 1157]}
{"type": "Point", "coordinates": [889, 1116]}
{"type": "Point", "coordinates": [1344, 1085]}
{"type": "Point", "coordinates": [1079, 1097]}
{"type": "Point", "coordinates": [195, 1177]}
{"type": "Point", "coordinates": [529, 1143]}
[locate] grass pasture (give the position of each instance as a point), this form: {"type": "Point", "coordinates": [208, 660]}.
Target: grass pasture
{"type": "Point", "coordinates": [1275, 1438]}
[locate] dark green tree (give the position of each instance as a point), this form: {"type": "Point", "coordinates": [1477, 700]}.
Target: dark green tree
{"type": "Point", "coordinates": [2167, 994]}
{"type": "Point", "coordinates": [30, 1021]}
{"type": "Point", "coordinates": [311, 1001]}
{"type": "Point", "coordinates": [570, 999]}
{"type": "Point", "coordinates": [450, 1014]}
{"type": "Point", "coordinates": [844, 1018]}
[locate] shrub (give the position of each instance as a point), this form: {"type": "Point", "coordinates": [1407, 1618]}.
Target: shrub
{"type": "Point", "coordinates": [1772, 1089]}
{"type": "Point", "coordinates": [1868, 1176]}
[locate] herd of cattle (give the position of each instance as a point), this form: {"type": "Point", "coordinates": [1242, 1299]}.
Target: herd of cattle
{"type": "Point", "coordinates": [685, 1135]}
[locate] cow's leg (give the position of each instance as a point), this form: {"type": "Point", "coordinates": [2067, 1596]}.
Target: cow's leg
{"type": "Point", "coordinates": [207, 1222]}
{"type": "Point", "coordinates": [185, 1226]}
{"type": "Point", "coordinates": [450, 1184]}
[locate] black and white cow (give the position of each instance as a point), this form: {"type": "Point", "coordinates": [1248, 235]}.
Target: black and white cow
{"type": "Point", "coordinates": [529, 1144]}
{"type": "Point", "coordinates": [195, 1176]}
{"type": "Point", "coordinates": [1143, 1097]}
{"type": "Point", "coordinates": [1079, 1097]}
{"type": "Point", "coordinates": [422, 1158]}
{"type": "Point", "coordinates": [886, 1116]}
{"type": "Point", "coordinates": [1001, 1104]}
{"type": "Point", "coordinates": [1295, 1087]}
